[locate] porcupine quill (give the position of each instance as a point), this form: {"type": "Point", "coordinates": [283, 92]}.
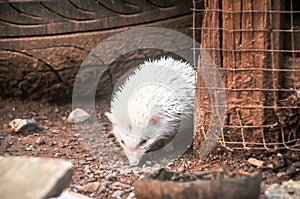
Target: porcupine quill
{"type": "Point", "coordinates": [147, 109]}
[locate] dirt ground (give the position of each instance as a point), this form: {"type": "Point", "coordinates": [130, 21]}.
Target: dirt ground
{"type": "Point", "coordinates": [92, 177]}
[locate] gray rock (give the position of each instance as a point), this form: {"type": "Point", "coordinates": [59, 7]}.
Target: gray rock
{"type": "Point", "coordinates": [131, 195]}
{"type": "Point", "coordinates": [33, 178]}
{"type": "Point", "coordinates": [77, 116]}
{"type": "Point", "coordinates": [18, 125]}
{"type": "Point", "coordinates": [117, 194]}
{"type": "Point", "coordinates": [287, 190]}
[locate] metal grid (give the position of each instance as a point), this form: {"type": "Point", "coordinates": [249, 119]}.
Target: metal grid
{"type": "Point", "coordinates": [256, 48]}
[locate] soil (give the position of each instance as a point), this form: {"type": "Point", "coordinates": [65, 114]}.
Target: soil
{"type": "Point", "coordinates": [93, 177]}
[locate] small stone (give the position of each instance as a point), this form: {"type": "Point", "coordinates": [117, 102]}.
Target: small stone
{"type": "Point", "coordinates": [40, 141]}
{"type": "Point", "coordinates": [56, 155]}
{"type": "Point", "coordinates": [107, 183]}
{"type": "Point", "coordinates": [55, 131]}
{"type": "Point", "coordinates": [117, 194]}
{"type": "Point", "coordinates": [131, 195]}
{"type": "Point", "coordinates": [271, 166]}
{"type": "Point", "coordinates": [181, 169]}
{"type": "Point", "coordinates": [255, 162]}
{"type": "Point", "coordinates": [91, 187]}
{"type": "Point", "coordinates": [98, 172]}
{"type": "Point", "coordinates": [119, 185]}
{"type": "Point", "coordinates": [77, 188]}
{"type": "Point", "coordinates": [148, 163]}
{"type": "Point", "coordinates": [280, 174]}
{"type": "Point", "coordinates": [90, 159]}
{"type": "Point", "coordinates": [298, 93]}
{"type": "Point", "coordinates": [102, 189]}
{"type": "Point", "coordinates": [111, 177]}
{"type": "Point", "coordinates": [82, 162]}
{"type": "Point", "coordinates": [86, 171]}
{"type": "Point", "coordinates": [296, 164]}
{"type": "Point", "coordinates": [77, 116]}
{"type": "Point", "coordinates": [279, 154]}
{"type": "Point", "coordinates": [53, 143]}
{"type": "Point", "coordinates": [19, 124]}
{"type": "Point", "coordinates": [30, 148]}
{"type": "Point", "coordinates": [43, 117]}
{"type": "Point", "coordinates": [45, 127]}
{"type": "Point", "coordinates": [64, 146]}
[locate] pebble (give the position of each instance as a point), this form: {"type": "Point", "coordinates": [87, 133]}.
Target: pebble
{"type": "Point", "coordinates": [55, 131]}
{"type": "Point", "coordinates": [40, 141]}
{"type": "Point", "coordinates": [18, 124]}
{"type": "Point", "coordinates": [255, 162]}
{"type": "Point", "coordinates": [148, 163]}
{"type": "Point", "coordinates": [280, 174]}
{"type": "Point", "coordinates": [296, 164]}
{"type": "Point", "coordinates": [111, 176]}
{"type": "Point", "coordinates": [82, 162]}
{"type": "Point", "coordinates": [91, 187]}
{"type": "Point", "coordinates": [56, 155]}
{"type": "Point", "coordinates": [102, 189]}
{"type": "Point", "coordinates": [117, 194]}
{"type": "Point", "coordinates": [77, 116]}
{"type": "Point", "coordinates": [53, 143]}
{"type": "Point", "coordinates": [107, 183]}
{"type": "Point", "coordinates": [77, 188]}
{"type": "Point", "coordinates": [119, 185]}
{"type": "Point", "coordinates": [45, 127]}
{"type": "Point", "coordinates": [98, 172]}
{"type": "Point", "coordinates": [30, 148]}
{"type": "Point", "coordinates": [131, 195]}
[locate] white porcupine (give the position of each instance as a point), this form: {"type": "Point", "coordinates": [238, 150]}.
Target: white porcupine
{"type": "Point", "coordinates": [147, 109]}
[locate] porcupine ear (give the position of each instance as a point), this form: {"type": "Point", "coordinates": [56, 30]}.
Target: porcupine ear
{"type": "Point", "coordinates": [153, 120]}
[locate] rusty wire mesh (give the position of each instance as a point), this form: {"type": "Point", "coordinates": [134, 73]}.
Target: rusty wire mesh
{"type": "Point", "coordinates": [256, 47]}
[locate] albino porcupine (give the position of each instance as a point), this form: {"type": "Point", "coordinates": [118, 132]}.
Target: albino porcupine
{"type": "Point", "coordinates": [147, 109]}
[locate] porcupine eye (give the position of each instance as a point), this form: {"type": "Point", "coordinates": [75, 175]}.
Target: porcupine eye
{"type": "Point", "coordinates": [142, 142]}
{"type": "Point", "coordinates": [122, 141]}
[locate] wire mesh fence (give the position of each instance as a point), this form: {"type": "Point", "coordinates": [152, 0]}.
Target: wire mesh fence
{"type": "Point", "coordinates": [255, 46]}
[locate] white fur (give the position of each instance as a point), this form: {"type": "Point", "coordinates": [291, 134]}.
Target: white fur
{"type": "Point", "coordinates": [163, 87]}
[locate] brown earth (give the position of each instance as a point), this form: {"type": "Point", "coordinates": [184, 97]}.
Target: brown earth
{"type": "Point", "coordinates": [56, 139]}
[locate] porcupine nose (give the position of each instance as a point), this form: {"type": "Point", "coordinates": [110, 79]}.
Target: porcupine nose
{"type": "Point", "coordinates": [135, 163]}
{"type": "Point", "coordinates": [134, 157]}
